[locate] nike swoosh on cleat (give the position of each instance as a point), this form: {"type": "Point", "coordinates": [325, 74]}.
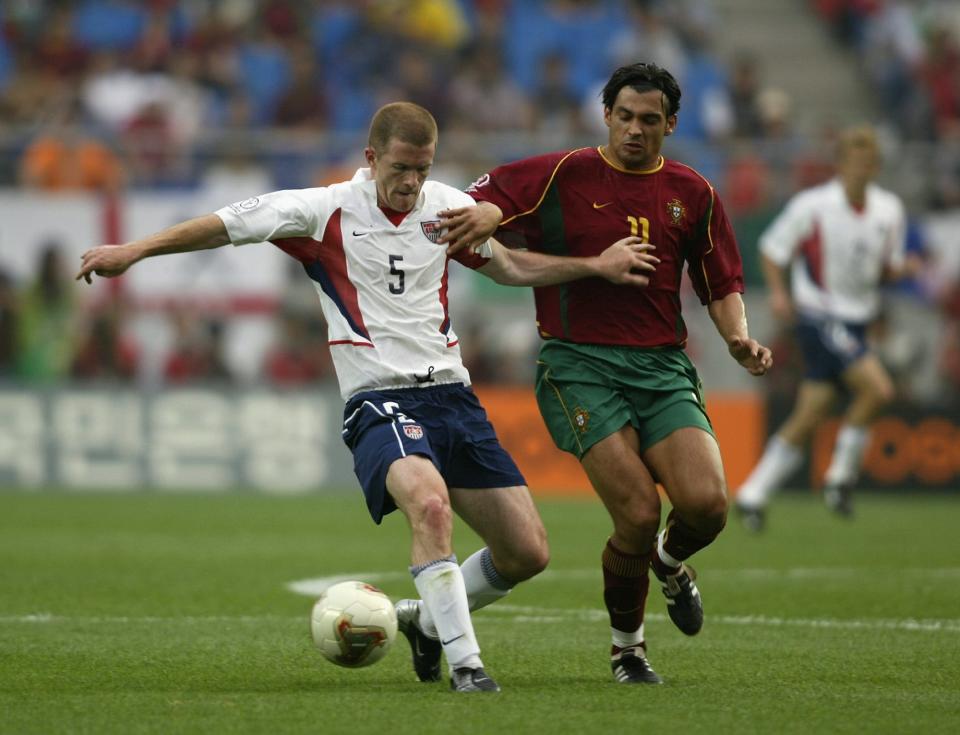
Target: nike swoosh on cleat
{"type": "Point", "coordinates": [601, 206]}
{"type": "Point", "coordinates": [457, 638]}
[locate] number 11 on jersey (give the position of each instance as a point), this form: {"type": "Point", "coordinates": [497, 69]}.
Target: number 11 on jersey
{"type": "Point", "coordinates": [640, 227]}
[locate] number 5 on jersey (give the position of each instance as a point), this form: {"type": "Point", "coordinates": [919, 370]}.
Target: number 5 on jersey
{"type": "Point", "coordinates": [396, 287]}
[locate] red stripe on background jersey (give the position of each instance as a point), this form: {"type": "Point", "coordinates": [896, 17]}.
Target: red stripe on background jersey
{"type": "Point", "coordinates": [812, 250]}
{"type": "Point", "coordinates": [445, 324]}
{"type": "Point", "coordinates": [326, 262]}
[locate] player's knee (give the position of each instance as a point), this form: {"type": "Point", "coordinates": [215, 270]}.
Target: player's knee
{"type": "Point", "coordinates": [434, 514]}
{"type": "Point", "coordinates": [638, 521]}
{"type": "Point", "coordinates": [884, 392]}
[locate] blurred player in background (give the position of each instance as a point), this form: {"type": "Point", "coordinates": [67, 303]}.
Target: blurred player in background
{"type": "Point", "coordinates": [614, 385]}
{"type": "Point", "coordinates": [420, 439]}
{"type": "Point", "coordinates": [841, 241]}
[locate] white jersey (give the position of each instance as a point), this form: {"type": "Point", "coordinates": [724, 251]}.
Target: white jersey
{"type": "Point", "coordinates": [382, 287]}
{"type": "Point", "coordinates": [838, 253]}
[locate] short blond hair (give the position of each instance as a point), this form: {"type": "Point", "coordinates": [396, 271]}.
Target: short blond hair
{"type": "Point", "coordinates": [403, 121]}
{"type": "Point", "coordinates": [862, 137]}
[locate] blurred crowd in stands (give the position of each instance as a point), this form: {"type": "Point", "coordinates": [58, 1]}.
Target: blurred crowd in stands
{"type": "Point", "coordinates": [909, 50]}
{"type": "Point", "coordinates": [246, 96]}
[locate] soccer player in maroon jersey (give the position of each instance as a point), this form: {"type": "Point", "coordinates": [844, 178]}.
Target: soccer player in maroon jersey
{"type": "Point", "coordinates": [614, 385]}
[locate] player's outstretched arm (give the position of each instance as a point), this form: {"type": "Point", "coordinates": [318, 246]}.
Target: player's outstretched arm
{"type": "Point", "coordinates": [200, 233]}
{"type": "Point", "coordinates": [730, 318]}
{"type": "Point", "coordinates": [468, 226]}
{"type": "Point", "coordinates": [628, 262]}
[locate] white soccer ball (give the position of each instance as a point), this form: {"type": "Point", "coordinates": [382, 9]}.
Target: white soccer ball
{"type": "Point", "coordinates": [353, 624]}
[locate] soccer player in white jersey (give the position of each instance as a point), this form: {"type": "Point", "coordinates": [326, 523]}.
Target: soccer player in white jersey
{"type": "Point", "coordinates": [420, 439]}
{"type": "Point", "coordinates": [841, 241]}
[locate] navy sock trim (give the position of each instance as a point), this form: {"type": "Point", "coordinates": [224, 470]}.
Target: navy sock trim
{"type": "Point", "coordinates": [490, 573]}
{"type": "Point", "coordinates": [415, 570]}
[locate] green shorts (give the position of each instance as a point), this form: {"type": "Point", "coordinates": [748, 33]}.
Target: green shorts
{"type": "Point", "coordinates": [588, 392]}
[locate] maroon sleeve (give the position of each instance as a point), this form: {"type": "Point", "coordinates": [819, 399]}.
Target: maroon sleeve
{"type": "Point", "coordinates": [469, 258]}
{"type": "Point", "coordinates": [517, 188]}
{"type": "Point", "coordinates": [714, 263]}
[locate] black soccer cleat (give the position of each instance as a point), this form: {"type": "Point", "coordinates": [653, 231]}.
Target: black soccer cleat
{"type": "Point", "coordinates": [752, 517]}
{"type": "Point", "coordinates": [630, 666]}
{"type": "Point", "coordinates": [426, 650]}
{"type": "Point", "coordinates": [839, 499]}
{"type": "Point", "coordinates": [472, 680]}
{"type": "Point", "coordinates": [683, 600]}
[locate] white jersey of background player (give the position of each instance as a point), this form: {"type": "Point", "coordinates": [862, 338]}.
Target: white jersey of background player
{"type": "Point", "coordinates": [841, 241]}
{"type": "Point", "coordinates": [837, 253]}
{"type": "Point", "coordinates": [421, 441]}
{"type": "Point", "coordinates": [360, 263]}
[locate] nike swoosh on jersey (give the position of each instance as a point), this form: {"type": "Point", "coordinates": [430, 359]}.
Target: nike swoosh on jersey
{"type": "Point", "coordinates": [601, 206]}
{"type": "Point", "coordinates": [359, 234]}
{"type": "Point", "coordinates": [456, 638]}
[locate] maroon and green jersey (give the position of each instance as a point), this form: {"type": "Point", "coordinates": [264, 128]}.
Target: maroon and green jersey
{"type": "Point", "coordinates": [578, 203]}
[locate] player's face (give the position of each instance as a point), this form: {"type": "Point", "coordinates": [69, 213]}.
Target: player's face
{"type": "Point", "coordinates": [859, 164]}
{"type": "Point", "coordinates": [638, 123]}
{"type": "Point", "coordinates": [400, 170]}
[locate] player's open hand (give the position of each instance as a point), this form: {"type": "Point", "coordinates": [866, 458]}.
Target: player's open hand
{"type": "Point", "coordinates": [468, 226]}
{"type": "Point", "coordinates": [756, 358]}
{"type": "Point", "coordinates": [108, 261]}
{"type": "Point", "coordinates": [628, 262]}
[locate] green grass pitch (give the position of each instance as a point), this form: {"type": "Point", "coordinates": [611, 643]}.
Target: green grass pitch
{"type": "Point", "coordinates": [171, 614]}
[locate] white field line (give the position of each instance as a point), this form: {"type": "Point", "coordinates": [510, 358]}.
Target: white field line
{"type": "Point", "coordinates": [315, 586]}
{"type": "Point", "coordinates": [503, 612]}
{"type": "Point", "coordinates": [531, 614]}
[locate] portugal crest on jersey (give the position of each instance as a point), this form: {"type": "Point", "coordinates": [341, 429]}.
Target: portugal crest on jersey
{"type": "Point", "coordinates": [432, 230]}
{"type": "Point", "coordinates": [676, 210]}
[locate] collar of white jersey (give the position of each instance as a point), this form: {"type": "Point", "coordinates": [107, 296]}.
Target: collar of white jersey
{"type": "Point", "coordinates": [364, 177]}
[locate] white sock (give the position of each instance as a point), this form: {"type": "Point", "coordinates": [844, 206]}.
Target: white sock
{"type": "Point", "coordinates": [847, 455]}
{"type": "Point", "coordinates": [443, 594]}
{"type": "Point", "coordinates": [626, 640]}
{"type": "Point", "coordinates": [780, 460]}
{"type": "Point", "coordinates": [484, 585]}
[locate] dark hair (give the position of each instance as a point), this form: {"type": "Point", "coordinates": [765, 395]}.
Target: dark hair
{"type": "Point", "coordinates": [405, 121]}
{"type": "Point", "coordinates": [643, 77]}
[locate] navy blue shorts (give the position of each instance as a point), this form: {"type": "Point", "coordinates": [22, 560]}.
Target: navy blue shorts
{"type": "Point", "coordinates": [830, 347]}
{"type": "Point", "coordinates": [444, 423]}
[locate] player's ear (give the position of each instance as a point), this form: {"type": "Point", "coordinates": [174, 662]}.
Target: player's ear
{"type": "Point", "coordinates": [671, 124]}
{"type": "Point", "coordinates": [370, 155]}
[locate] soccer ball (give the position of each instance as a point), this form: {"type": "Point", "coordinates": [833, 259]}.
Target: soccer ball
{"type": "Point", "coordinates": [353, 624]}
